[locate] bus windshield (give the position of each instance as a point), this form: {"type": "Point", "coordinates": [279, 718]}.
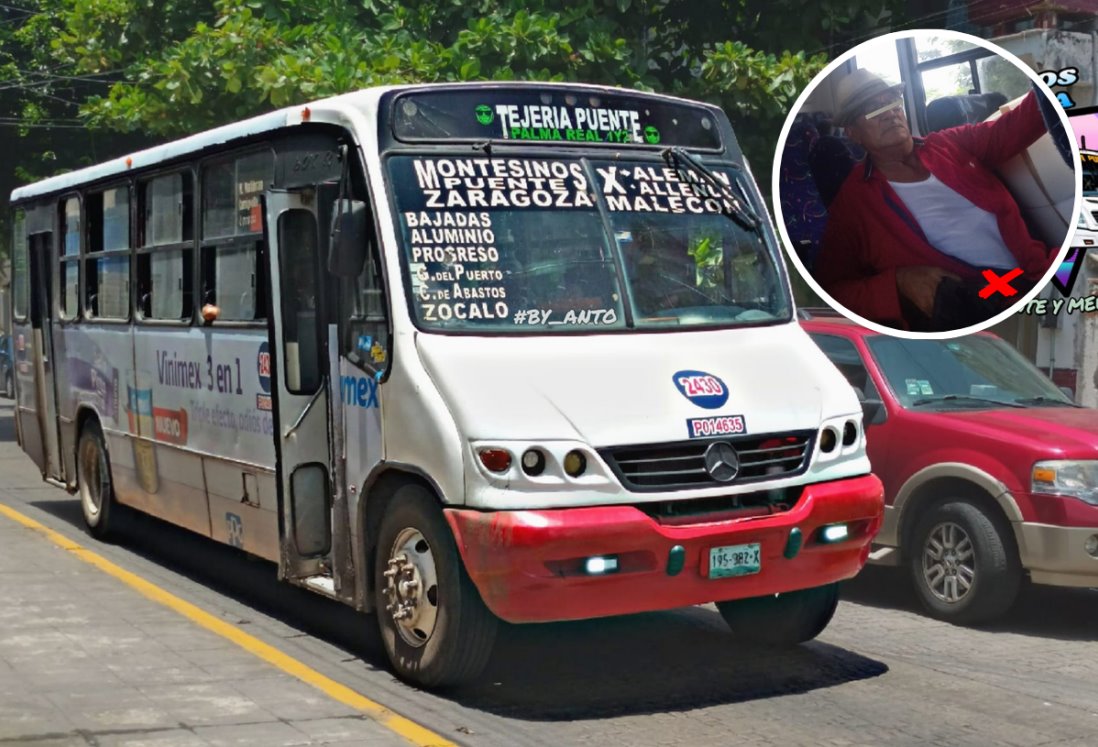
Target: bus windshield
{"type": "Point", "coordinates": [495, 244]}
{"type": "Point", "coordinates": [1090, 174]}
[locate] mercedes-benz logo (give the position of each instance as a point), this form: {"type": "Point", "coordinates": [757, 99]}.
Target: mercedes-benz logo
{"type": "Point", "coordinates": [721, 462]}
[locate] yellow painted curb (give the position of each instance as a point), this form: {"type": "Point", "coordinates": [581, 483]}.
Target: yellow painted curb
{"type": "Point", "coordinates": [413, 732]}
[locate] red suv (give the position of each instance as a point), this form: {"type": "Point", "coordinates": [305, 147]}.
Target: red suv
{"type": "Point", "coordinates": [990, 471]}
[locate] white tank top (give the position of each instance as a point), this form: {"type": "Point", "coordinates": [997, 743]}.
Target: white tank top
{"type": "Point", "coordinates": [955, 226]}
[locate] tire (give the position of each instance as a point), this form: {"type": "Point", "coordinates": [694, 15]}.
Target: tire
{"type": "Point", "coordinates": [94, 484]}
{"type": "Point", "coordinates": [782, 620]}
{"type": "Point", "coordinates": [447, 636]}
{"type": "Point", "coordinates": [965, 567]}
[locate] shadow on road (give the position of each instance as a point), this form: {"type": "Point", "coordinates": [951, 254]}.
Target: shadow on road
{"type": "Point", "coordinates": [641, 664]}
{"type": "Point", "coordinates": [1044, 611]}
{"type": "Point", "coordinates": [657, 662]}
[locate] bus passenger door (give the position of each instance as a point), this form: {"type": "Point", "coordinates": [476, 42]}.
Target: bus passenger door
{"type": "Point", "coordinates": [301, 384]}
{"type": "Point", "coordinates": [45, 450]}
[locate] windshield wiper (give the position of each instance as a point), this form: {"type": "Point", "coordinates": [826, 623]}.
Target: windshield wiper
{"type": "Point", "coordinates": [734, 207]}
{"type": "Point", "coordinates": [1042, 400]}
{"type": "Point", "coordinates": [963, 398]}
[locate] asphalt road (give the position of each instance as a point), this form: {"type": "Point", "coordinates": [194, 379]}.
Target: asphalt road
{"type": "Point", "coordinates": [882, 673]}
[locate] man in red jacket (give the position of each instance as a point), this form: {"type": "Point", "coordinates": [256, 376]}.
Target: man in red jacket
{"type": "Point", "coordinates": [922, 218]}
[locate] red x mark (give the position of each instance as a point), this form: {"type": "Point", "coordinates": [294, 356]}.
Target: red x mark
{"type": "Point", "coordinates": [996, 284]}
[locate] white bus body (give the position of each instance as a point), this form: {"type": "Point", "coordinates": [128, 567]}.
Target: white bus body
{"type": "Point", "coordinates": [392, 412]}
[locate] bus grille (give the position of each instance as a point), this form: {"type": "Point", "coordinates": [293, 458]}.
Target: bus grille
{"type": "Point", "coordinates": [681, 465]}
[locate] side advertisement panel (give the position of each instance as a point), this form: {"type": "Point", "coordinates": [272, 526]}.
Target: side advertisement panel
{"type": "Point", "coordinates": [206, 390]}
{"type": "Point", "coordinates": [187, 413]}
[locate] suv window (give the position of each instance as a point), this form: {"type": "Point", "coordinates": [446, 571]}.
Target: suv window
{"type": "Point", "coordinates": [847, 359]}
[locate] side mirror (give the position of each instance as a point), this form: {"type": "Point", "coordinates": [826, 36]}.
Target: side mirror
{"type": "Point", "coordinates": [1068, 392]}
{"type": "Point", "coordinates": [347, 249]}
{"type": "Point", "coordinates": [873, 412]}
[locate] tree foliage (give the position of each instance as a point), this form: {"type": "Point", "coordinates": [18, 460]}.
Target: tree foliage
{"type": "Point", "coordinates": [186, 66]}
{"type": "Point", "coordinates": [163, 68]}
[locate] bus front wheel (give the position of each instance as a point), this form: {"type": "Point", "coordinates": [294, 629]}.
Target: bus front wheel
{"type": "Point", "coordinates": [95, 487]}
{"type": "Point", "coordinates": [436, 629]}
{"type": "Point", "coordinates": [782, 619]}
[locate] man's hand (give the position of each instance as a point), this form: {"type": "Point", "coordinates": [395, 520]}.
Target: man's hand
{"type": "Point", "coordinates": [919, 283]}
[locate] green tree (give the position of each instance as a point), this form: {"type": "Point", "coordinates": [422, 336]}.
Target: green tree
{"type": "Point", "coordinates": [40, 123]}
{"type": "Point", "coordinates": [185, 67]}
{"type": "Point", "coordinates": [85, 80]}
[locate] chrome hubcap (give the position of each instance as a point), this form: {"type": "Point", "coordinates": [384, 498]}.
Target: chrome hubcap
{"type": "Point", "coordinates": [949, 567]}
{"type": "Point", "coordinates": [411, 587]}
{"type": "Point", "coordinates": [93, 477]}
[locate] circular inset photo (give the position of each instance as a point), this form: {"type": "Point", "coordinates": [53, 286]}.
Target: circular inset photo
{"type": "Point", "coordinates": [927, 184]}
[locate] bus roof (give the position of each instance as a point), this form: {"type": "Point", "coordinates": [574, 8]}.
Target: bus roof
{"type": "Point", "coordinates": [336, 109]}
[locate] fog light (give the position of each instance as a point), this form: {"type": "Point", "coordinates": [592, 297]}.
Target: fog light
{"type": "Point", "coordinates": [497, 460]}
{"type": "Point", "coordinates": [575, 463]}
{"type": "Point", "coordinates": [600, 564]}
{"type": "Point", "coordinates": [834, 533]}
{"type": "Point", "coordinates": [1091, 545]}
{"type": "Point", "coordinates": [827, 440]}
{"type": "Point", "coordinates": [533, 462]}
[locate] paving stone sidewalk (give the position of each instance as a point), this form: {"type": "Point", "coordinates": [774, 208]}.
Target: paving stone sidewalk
{"type": "Point", "coordinates": [86, 660]}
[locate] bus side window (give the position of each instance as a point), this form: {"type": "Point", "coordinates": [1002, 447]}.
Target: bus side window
{"type": "Point", "coordinates": [233, 280]}
{"type": "Point", "coordinates": [20, 282]}
{"type": "Point", "coordinates": [365, 313]}
{"type": "Point", "coordinates": [107, 256]}
{"type": "Point", "coordinates": [233, 252]}
{"type": "Point", "coordinates": [164, 263]}
{"type": "Point", "coordinates": [69, 297]}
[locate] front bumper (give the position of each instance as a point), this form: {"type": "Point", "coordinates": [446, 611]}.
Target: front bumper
{"type": "Point", "coordinates": [527, 565]}
{"type": "Point", "coordinates": [1054, 555]}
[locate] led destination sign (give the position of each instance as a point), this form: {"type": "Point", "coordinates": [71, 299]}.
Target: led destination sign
{"type": "Point", "coordinates": [554, 115]}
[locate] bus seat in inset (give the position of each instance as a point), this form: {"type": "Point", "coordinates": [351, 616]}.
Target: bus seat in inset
{"type": "Point", "coordinates": [803, 211]}
{"type": "Point", "coordinates": [831, 162]}
{"type": "Point", "coordinates": [1042, 183]}
{"type": "Point", "coordinates": [953, 111]}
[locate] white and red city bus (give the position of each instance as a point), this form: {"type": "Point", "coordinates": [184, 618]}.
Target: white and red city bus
{"type": "Point", "coordinates": [450, 354]}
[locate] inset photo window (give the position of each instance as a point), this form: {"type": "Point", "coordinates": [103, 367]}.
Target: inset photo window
{"type": "Point", "coordinates": [927, 184]}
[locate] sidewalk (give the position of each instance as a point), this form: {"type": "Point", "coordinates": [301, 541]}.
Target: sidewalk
{"type": "Point", "coordinates": [86, 660]}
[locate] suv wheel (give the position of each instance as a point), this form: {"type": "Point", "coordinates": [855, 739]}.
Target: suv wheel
{"type": "Point", "coordinates": [964, 564]}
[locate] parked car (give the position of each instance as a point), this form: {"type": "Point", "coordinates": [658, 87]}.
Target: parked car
{"type": "Point", "coordinates": [7, 364]}
{"type": "Point", "coordinates": [990, 471]}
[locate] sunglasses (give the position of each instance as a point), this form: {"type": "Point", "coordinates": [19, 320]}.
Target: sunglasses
{"type": "Point", "coordinates": [895, 103]}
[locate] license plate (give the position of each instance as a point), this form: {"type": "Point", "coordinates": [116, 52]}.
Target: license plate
{"type": "Point", "coordinates": [735, 560]}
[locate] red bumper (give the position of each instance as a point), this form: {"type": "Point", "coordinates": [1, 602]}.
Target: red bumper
{"type": "Point", "coordinates": [528, 564]}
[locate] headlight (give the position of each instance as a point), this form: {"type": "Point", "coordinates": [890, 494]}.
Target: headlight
{"type": "Point", "coordinates": [840, 437]}
{"type": "Point", "coordinates": [1078, 479]}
